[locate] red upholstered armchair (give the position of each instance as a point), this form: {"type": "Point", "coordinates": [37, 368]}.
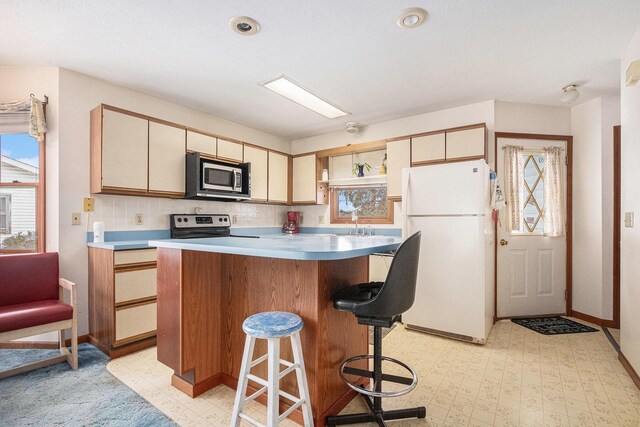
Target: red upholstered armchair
{"type": "Point", "coordinates": [31, 303]}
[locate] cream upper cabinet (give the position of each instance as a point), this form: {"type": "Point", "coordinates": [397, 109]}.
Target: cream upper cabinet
{"type": "Point", "coordinates": [258, 157]}
{"type": "Point", "coordinates": [166, 158]}
{"type": "Point", "coordinates": [278, 177]}
{"type": "Point", "coordinates": [304, 179]}
{"type": "Point", "coordinates": [229, 150]}
{"type": "Point", "coordinates": [125, 141]}
{"type": "Point", "coordinates": [466, 143]}
{"type": "Point", "coordinates": [201, 143]}
{"type": "Point", "coordinates": [428, 148]}
{"type": "Point", "coordinates": [398, 157]}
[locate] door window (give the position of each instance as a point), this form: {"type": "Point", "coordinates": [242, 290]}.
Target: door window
{"type": "Point", "coordinates": [532, 211]}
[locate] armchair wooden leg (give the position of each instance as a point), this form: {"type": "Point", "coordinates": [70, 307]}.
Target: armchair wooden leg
{"type": "Point", "coordinates": [74, 343]}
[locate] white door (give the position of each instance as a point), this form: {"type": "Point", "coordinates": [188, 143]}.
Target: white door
{"type": "Point", "coordinates": [531, 277]}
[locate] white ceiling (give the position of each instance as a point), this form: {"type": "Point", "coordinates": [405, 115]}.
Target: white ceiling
{"type": "Point", "coordinates": [348, 51]}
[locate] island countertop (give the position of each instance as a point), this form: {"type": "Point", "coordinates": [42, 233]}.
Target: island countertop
{"type": "Point", "coordinates": [297, 246]}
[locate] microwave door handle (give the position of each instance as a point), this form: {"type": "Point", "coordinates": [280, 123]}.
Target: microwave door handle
{"type": "Point", "coordinates": [235, 180]}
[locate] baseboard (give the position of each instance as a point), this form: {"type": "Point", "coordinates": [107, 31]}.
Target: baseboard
{"type": "Point", "coordinates": [593, 319]}
{"type": "Point", "coordinates": [627, 366]}
{"type": "Point", "coordinates": [195, 390]}
{"type": "Point", "coordinates": [40, 344]}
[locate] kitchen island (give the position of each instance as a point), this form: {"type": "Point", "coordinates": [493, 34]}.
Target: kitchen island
{"type": "Point", "coordinates": [207, 287]}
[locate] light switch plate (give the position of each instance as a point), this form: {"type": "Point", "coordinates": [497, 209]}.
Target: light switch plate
{"type": "Point", "coordinates": [321, 219]}
{"type": "Point", "coordinates": [628, 219]}
{"type": "Point", "coordinates": [75, 218]}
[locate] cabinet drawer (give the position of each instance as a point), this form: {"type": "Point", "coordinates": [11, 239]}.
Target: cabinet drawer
{"type": "Point", "coordinates": [134, 256]}
{"type": "Point", "coordinates": [136, 284]}
{"type": "Point", "coordinates": [136, 320]}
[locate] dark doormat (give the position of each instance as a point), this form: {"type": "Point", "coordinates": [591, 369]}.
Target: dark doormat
{"type": "Point", "coordinates": [555, 325]}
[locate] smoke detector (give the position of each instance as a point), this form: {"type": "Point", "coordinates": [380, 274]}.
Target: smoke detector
{"type": "Point", "coordinates": [352, 127]}
{"type": "Point", "coordinates": [244, 25]}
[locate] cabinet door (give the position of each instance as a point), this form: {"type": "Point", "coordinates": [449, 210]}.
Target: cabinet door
{"type": "Point", "coordinates": [201, 143]}
{"type": "Point", "coordinates": [466, 143]}
{"type": "Point", "coordinates": [125, 141]}
{"type": "Point", "coordinates": [135, 320]}
{"type": "Point", "coordinates": [428, 148]}
{"type": "Point", "coordinates": [166, 158]}
{"type": "Point", "coordinates": [228, 150]}
{"type": "Point", "coordinates": [398, 157]}
{"type": "Point", "coordinates": [258, 158]}
{"type": "Point", "coordinates": [278, 177]}
{"type": "Point", "coordinates": [304, 179]}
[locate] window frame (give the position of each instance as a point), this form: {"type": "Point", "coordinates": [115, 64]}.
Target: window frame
{"type": "Point", "coordinates": [40, 198]}
{"type": "Point", "coordinates": [526, 233]}
{"type": "Point", "coordinates": [7, 213]}
{"type": "Point", "coordinates": [333, 207]}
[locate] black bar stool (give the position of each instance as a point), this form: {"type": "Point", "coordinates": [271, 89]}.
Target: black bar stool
{"type": "Point", "coordinates": [381, 304]}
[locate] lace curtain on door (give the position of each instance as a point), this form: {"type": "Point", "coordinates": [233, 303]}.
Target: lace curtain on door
{"type": "Point", "coordinates": [514, 185]}
{"type": "Point", "coordinates": [553, 192]}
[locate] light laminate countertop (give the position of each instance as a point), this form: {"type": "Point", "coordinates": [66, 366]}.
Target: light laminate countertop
{"type": "Point", "coordinates": [297, 246]}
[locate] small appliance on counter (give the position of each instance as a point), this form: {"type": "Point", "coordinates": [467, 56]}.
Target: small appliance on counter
{"type": "Point", "coordinates": [290, 226]}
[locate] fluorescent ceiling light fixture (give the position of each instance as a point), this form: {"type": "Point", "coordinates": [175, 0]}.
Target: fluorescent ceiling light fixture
{"type": "Point", "coordinates": [288, 88]}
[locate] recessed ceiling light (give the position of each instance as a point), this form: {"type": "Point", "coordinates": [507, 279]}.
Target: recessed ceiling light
{"type": "Point", "coordinates": [288, 88]}
{"type": "Point", "coordinates": [570, 93]}
{"type": "Point", "coordinates": [411, 18]}
{"type": "Point", "coordinates": [244, 25]}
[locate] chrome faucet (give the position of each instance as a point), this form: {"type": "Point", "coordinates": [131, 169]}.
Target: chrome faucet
{"type": "Point", "coordinates": [354, 218]}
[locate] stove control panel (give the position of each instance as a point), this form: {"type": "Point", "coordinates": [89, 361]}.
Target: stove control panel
{"type": "Point", "coordinates": [200, 221]}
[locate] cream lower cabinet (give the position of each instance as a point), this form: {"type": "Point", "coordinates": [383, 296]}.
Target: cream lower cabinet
{"type": "Point", "coordinates": [166, 159]}
{"type": "Point", "coordinates": [305, 179]}
{"type": "Point", "coordinates": [398, 157]}
{"type": "Point", "coordinates": [122, 300]}
{"type": "Point", "coordinates": [118, 151]}
{"type": "Point", "coordinates": [379, 267]}
{"type": "Point", "coordinates": [278, 177]}
{"type": "Point", "coordinates": [259, 158]}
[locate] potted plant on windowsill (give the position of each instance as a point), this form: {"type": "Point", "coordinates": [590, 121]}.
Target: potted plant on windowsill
{"type": "Point", "coordinates": [358, 168]}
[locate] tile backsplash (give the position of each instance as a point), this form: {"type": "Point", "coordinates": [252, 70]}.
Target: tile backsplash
{"type": "Point", "coordinates": [118, 212]}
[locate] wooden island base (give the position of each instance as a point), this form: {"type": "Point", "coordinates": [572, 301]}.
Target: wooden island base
{"type": "Point", "coordinates": [203, 298]}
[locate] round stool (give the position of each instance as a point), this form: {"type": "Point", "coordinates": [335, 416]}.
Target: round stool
{"type": "Point", "coordinates": [272, 325]}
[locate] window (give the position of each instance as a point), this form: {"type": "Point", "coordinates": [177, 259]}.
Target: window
{"type": "Point", "coordinates": [21, 194]}
{"type": "Point", "coordinates": [370, 203]}
{"type": "Point", "coordinates": [532, 211]}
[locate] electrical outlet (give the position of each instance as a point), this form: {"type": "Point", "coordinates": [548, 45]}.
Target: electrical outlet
{"type": "Point", "coordinates": [139, 219]}
{"type": "Point", "coordinates": [234, 219]}
{"type": "Point", "coordinates": [321, 219]}
{"type": "Point", "coordinates": [75, 218]}
{"type": "Point", "coordinates": [88, 204]}
{"type": "Point", "coordinates": [628, 219]}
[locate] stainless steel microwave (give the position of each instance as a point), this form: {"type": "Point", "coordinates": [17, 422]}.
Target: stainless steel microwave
{"type": "Point", "coordinates": [214, 179]}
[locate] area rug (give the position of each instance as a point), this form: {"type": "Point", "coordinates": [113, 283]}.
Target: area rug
{"type": "Point", "coordinates": [555, 325]}
{"type": "Point", "coordinates": [57, 395]}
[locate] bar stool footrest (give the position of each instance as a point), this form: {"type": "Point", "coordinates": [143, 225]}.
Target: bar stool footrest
{"type": "Point", "coordinates": [410, 382]}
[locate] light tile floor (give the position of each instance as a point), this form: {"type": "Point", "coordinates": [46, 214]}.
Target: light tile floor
{"type": "Point", "coordinates": [519, 378]}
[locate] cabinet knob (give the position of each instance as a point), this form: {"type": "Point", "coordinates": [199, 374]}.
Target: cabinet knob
{"type": "Point", "coordinates": [504, 242]}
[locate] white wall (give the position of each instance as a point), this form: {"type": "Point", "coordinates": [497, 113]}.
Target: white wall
{"type": "Point", "coordinates": [530, 118]}
{"type": "Point", "coordinates": [481, 112]}
{"type": "Point", "coordinates": [592, 128]}
{"type": "Point", "coordinates": [630, 200]}
{"type": "Point", "coordinates": [587, 207]}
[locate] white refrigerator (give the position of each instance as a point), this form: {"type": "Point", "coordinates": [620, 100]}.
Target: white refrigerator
{"type": "Point", "coordinates": [450, 204]}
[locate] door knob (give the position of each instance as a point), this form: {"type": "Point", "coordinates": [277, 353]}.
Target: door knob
{"type": "Point", "coordinates": [504, 242]}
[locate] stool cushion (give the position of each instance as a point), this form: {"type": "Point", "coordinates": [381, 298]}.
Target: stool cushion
{"type": "Point", "coordinates": [20, 316]}
{"type": "Point", "coordinates": [272, 324]}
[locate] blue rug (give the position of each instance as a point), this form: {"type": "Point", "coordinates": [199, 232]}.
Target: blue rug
{"type": "Point", "coordinates": [57, 395]}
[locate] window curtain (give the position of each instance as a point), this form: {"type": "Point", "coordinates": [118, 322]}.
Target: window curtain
{"type": "Point", "coordinates": [25, 115]}
{"type": "Point", "coordinates": [514, 183]}
{"type": "Point", "coordinates": [553, 192]}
